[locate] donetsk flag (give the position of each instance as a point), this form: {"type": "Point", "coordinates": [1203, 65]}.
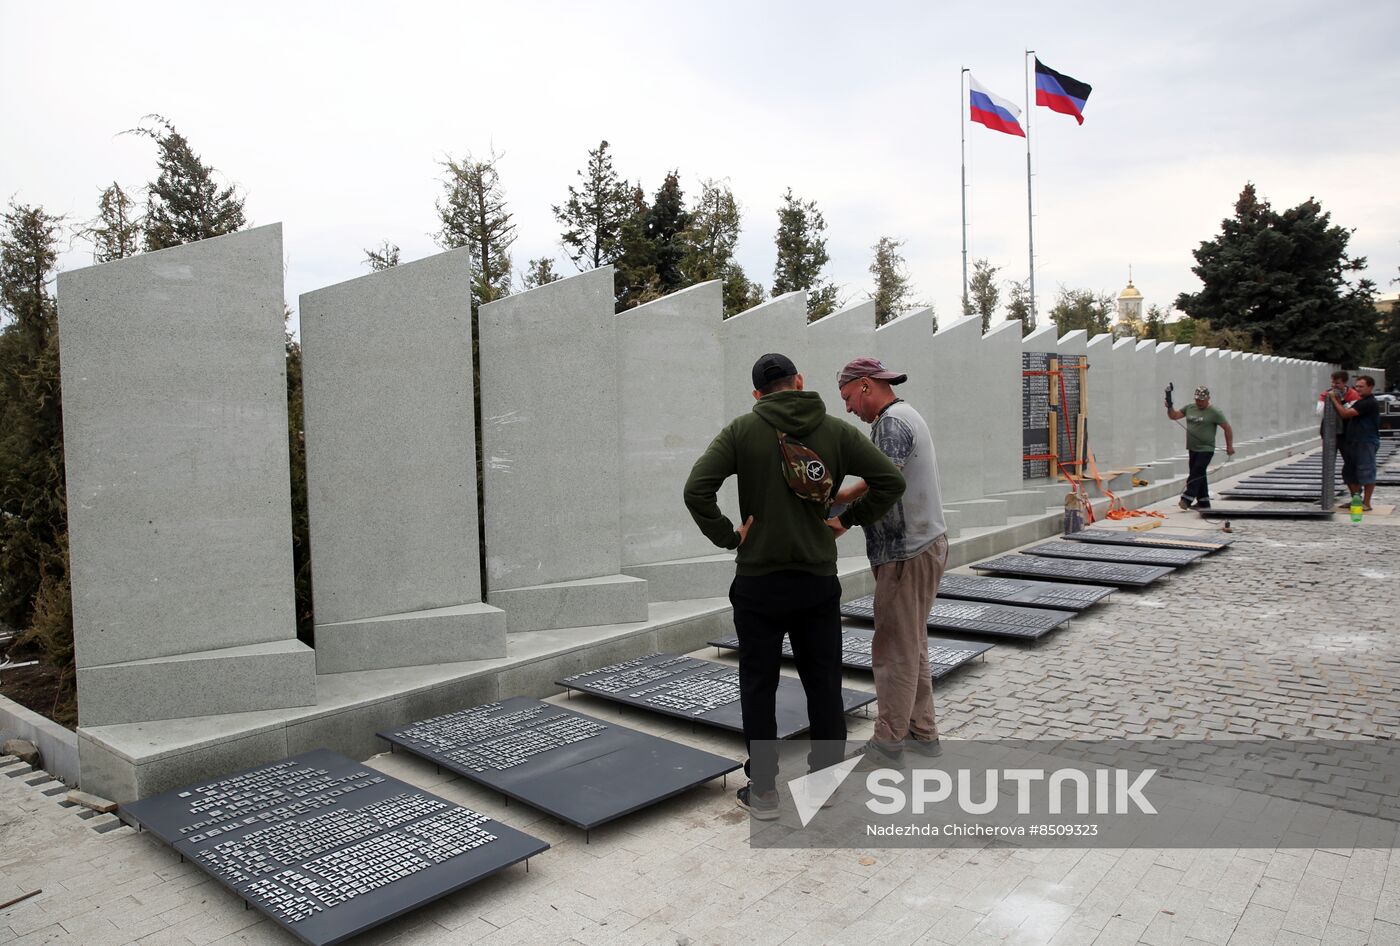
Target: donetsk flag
{"type": "Point", "coordinates": [994, 111]}
{"type": "Point", "coordinates": [1059, 93]}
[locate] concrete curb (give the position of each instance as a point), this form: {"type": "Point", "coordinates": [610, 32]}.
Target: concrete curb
{"type": "Point", "coordinates": [57, 745]}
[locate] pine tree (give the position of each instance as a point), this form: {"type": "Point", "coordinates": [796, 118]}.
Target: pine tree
{"type": "Point", "coordinates": [802, 255]}
{"type": "Point", "coordinates": [710, 241]}
{"type": "Point", "coordinates": [666, 223]}
{"type": "Point", "coordinates": [301, 518]}
{"type": "Point", "coordinates": [892, 286]}
{"type": "Point", "coordinates": [184, 204]}
{"type": "Point", "coordinates": [34, 594]}
{"type": "Point", "coordinates": [1018, 306]}
{"type": "Point", "coordinates": [1285, 280]}
{"type": "Point", "coordinates": [383, 256]}
{"type": "Point", "coordinates": [539, 272]}
{"type": "Point", "coordinates": [595, 212]}
{"type": "Point", "coordinates": [1155, 328]}
{"type": "Point", "coordinates": [635, 277]}
{"type": "Point", "coordinates": [116, 231]}
{"type": "Point", "coordinates": [983, 294]}
{"type": "Point", "coordinates": [473, 214]}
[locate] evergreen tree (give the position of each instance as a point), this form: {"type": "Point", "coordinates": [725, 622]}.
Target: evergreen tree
{"type": "Point", "coordinates": [116, 231]}
{"type": "Point", "coordinates": [710, 241]}
{"type": "Point", "coordinates": [892, 286]}
{"type": "Point", "coordinates": [595, 212]}
{"type": "Point", "coordinates": [1282, 279]}
{"type": "Point", "coordinates": [473, 214]}
{"type": "Point", "coordinates": [34, 595]}
{"type": "Point", "coordinates": [666, 223]}
{"type": "Point", "coordinates": [184, 204]}
{"type": "Point", "coordinates": [1083, 309]}
{"type": "Point", "coordinates": [802, 255]}
{"type": "Point", "coordinates": [983, 294]}
{"type": "Point", "coordinates": [1183, 331]}
{"type": "Point", "coordinates": [539, 272]}
{"type": "Point", "coordinates": [636, 280]}
{"type": "Point", "coordinates": [383, 256]}
{"type": "Point", "coordinates": [1018, 306]}
{"type": "Point", "coordinates": [301, 518]}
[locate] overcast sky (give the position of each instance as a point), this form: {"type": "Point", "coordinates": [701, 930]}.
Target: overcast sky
{"type": "Point", "coordinates": [332, 118]}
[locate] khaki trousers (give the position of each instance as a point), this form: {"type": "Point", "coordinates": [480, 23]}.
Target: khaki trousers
{"type": "Point", "coordinates": [904, 593]}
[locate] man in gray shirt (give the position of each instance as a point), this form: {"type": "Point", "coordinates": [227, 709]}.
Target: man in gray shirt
{"type": "Point", "coordinates": [908, 551]}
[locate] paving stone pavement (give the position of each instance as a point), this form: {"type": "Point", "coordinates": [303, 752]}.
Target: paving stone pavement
{"type": "Point", "coordinates": [1289, 633]}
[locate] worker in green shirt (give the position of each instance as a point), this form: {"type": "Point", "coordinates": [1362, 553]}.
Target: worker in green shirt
{"type": "Point", "coordinates": [1202, 419]}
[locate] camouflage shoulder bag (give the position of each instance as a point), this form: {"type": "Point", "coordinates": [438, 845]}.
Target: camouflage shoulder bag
{"type": "Point", "coordinates": [804, 471]}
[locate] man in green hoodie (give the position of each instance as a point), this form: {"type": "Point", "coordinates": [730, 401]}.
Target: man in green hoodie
{"type": "Point", "coordinates": [785, 570]}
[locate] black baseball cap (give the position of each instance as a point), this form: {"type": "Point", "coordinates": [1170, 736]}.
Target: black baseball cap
{"type": "Point", "coordinates": [772, 367]}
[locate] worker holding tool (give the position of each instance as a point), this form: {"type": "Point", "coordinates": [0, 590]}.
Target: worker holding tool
{"type": "Point", "coordinates": [1202, 420]}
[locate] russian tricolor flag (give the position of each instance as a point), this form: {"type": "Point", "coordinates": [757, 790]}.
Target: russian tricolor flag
{"type": "Point", "coordinates": [994, 111]}
{"type": "Point", "coordinates": [1059, 93]}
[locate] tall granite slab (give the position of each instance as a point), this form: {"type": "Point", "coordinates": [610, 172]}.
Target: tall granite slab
{"type": "Point", "coordinates": [1104, 383]}
{"type": "Point", "coordinates": [179, 511]}
{"type": "Point", "coordinates": [1171, 440]}
{"type": "Point", "coordinates": [551, 459]}
{"type": "Point", "coordinates": [1148, 411]}
{"type": "Point", "coordinates": [669, 409]}
{"type": "Point", "coordinates": [959, 388]}
{"type": "Point", "coordinates": [391, 470]}
{"type": "Point", "coordinates": [775, 326]}
{"type": "Point", "coordinates": [1000, 409]}
{"type": "Point", "coordinates": [1236, 393]}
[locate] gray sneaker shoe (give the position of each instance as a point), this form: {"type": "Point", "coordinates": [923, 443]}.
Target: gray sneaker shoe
{"type": "Point", "coordinates": [1183, 503]}
{"type": "Point", "coordinates": [763, 807]}
{"type": "Point", "coordinates": [882, 754]}
{"type": "Point", "coordinates": [928, 748]}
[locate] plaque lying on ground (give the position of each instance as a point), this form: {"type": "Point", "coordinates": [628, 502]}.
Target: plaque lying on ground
{"type": "Point", "coordinates": [328, 848]}
{"type": "Point", "coordinates": [1276, 495]}
{"type": "Point", "coordinates": [573, 767]}
{"type": "Point", "coordinates": [999, 620]}
{"type": "Point", "coordinates": [1112, 573]}
{"type": "Point", "coordinates": [1035, 594]}
{"type": "Point", "coordinates": [1211, 542]}
{"type": "Point", "coordinates": [701, 691]}
{"type": "Point", "coordinates": [944, 656]}
{"type": "Point", "coordinates": [1266, 512]}
{"type": "Point", "coordinates": [1137, 555]}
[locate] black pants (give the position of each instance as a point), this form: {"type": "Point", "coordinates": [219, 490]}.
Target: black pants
{"type": "Point", "coordinates": [1196, 486]}
{"type": "Point", "coordinates": [807, 608]}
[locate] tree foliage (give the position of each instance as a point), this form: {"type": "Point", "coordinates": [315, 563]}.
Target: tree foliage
{"type": "Point", "coordinates": [1155, 326]}
{"type": "Point", "coordinates": [1083, 309]}
{"type": "Point", "coordinates": [539, 272]}
{"type": "Point", "coordinates": [116, 230]}
{"type": "Point", "coordinates": [184, 204]}
{"type": "Point", "coordinates": [892, 285]}
{"type": "Point", "coordinates": [710, 241]}
{"type": "Point", "coordinates": [983, 294]}
{"type": "Point", "coordinates": [1018, 305]}
{"type": "Point", "coordinates": [301, 519]}
{"type": "Point", "coordinates": [34, 593]}
{"type": "Point", "coordinates": [595, 212]}
{"type": "Point", "coordinates": [473, 214]}
{"type": "Point", "coordinates": [1386, 352]}
{"type": "Point", "coordinates": [802, 255]}
{"type": "Point", "coordinates": [383, 256]}
{"type": "Point", "coordinates": [1282, 280]}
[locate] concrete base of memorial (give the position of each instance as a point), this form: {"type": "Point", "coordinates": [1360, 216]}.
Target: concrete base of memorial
{"type": "Point", "coordinates": [133, 760]}
{"type": "Point", "coordinates": [609, 599]}
{"type": "Point", "coordinates": [705, 577]}
{"type": "Point", "coordinates": [438, 635]}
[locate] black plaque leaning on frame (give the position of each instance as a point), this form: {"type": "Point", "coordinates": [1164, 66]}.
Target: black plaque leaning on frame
{"type": "Point", "coordinates": [326, 847]}
{"type": "Point", "coordinates": [1061, 596]}
{"type": "Point", "coordinates": [944, 656]}
{"type": "Point", "coordinates": [1100, 573]}
{"type": "Point", "coordinates": [976, 617]}
{"type": "Point", "coordinates": [701, 691]}
{"type": "Point", "coordinates": [576, 768]}
{"type": "Point", "coordinates": [1136, 555]}
{"type": "Point", "coordinates": [1211, 542]}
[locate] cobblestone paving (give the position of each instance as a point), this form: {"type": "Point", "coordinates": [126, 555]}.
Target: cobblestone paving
{"type": "Point", "coordinates": [1291, 632]}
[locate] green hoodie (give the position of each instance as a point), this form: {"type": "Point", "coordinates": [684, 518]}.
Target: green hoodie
{"type": "Point", "coordinates": [787, 532]}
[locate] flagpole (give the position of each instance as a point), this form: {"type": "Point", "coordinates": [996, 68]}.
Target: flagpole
{"type": "Point", "coordinates": [962, 127]}
{"type": "Point", "coordinates": [1030, 209]}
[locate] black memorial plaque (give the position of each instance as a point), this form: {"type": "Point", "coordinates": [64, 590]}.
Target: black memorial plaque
{"type": "Point", "coordinates": [327, 848]}
{"type": "Point", "coordinates": [1067, 433]}
{"type": "Point", "coordinates": [571, 766]}
{"type": "Point", "coordinates": [1089, 551]}
{"type": "Point", "coordinates": [1035, 413]}
{"type": "Point", "coordinates": [1276, 495]}
{"type": "Point", "coordinates": [975, 617]}
{"type": "Point", "coordinates": [1035, 594]}
{"type": "Point", "coordinates": [1153, 539]}
{"type": "Point", "coordinates": [944, 656]}
{"type": "Point", "coordinates": [1114, 573]}
{"type": "Point", "coordinates": [1271, 511]}
{"type": "Point", "coordinates": [701, 691]}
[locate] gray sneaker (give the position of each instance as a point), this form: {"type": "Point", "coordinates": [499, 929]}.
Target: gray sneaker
{"type": "Point", "coordinates": [928, 748]}
{"type": "Point", "coordinates": [882, 754]}
{"type": "Point", "coordinates": [763, 807]}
